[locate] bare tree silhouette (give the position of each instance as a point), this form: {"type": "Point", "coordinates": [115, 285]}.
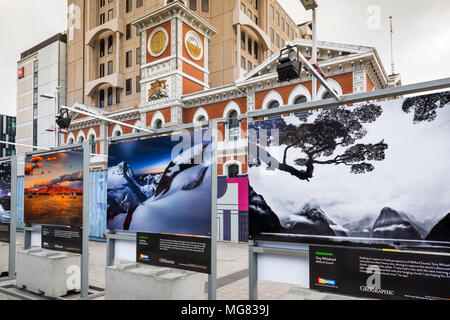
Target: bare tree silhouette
{"type": "Point", "coordinates": [318, 141]}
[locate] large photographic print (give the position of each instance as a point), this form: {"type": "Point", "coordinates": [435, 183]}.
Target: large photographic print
{"type": "Point", "coordinates": [161, 185]}
{"type": "Point", "coordinates": [5, 191]}
{"type": "Point", "coordinates": [54, 189]}
{"type": "Point", "coordinates": [372, 173]}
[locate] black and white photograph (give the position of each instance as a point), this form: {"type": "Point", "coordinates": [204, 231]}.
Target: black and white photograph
{"type": "Point", "coordinates": [358, 174]}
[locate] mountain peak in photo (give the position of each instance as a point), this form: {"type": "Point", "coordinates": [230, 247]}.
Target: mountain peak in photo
{"type": "Point", "coordinates": [390, 224]}
{"type": "Point", "coordinates": [55, 190]}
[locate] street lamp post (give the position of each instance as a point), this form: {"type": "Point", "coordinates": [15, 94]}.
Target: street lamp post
{"type": "Point", "coordinates": [56, 97]}
{"type": "Point", "coordinates": [312, 5]}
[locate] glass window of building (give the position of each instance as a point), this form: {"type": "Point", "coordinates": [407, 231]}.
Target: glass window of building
{"type": "Point", "coordinates": [101, 72]}
{"type": "Point", "coordinates": [233, 125]}
{"type": "Point", "coordinates": [129, 5]}
{"type": "Point", "coordinates": [102, 98]}
{"type": "Point", "coordinates": [193, 4]}
{"type": "Point", "coordinates": [110, 96]}
{"type": "Point", "coordinates": [110, 44]}
{"type": "Point", "coordinates": [205, 5]}
{"type": "Point", "coordinates": [102, 48]}
{"type": "Point", "coordinates": [128, 88]}
{"type": "Point", "coordinates": [233, 171]}
{"type": "Point", "coordinates": [110, 67]}
{"type": "Point", "coordinates": [128, 58]}
{"type": "Point", "coordinates": [118, 90]}
{"type": "Point", "coordinates": [128, 32]}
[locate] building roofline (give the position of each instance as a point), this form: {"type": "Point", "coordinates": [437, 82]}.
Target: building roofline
{"type": "Point", "coordinates": [57, 37]}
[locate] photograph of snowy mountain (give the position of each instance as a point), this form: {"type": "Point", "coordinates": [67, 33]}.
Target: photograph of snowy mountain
{"type": "Point", "coordinates": [5, 191]}
{"type": "Point", "coordinates": [368, 173]}
{"type": "Point", "coordinates": [161, 185]}
{"type": "Point", "coordinates": [54, 189]}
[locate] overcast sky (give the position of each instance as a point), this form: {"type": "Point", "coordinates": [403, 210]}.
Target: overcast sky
{"type": "Point", "coordinates": [421, 39]}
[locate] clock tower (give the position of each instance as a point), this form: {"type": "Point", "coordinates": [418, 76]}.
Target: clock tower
{"type": "Point", "coordinates": [174, 58]}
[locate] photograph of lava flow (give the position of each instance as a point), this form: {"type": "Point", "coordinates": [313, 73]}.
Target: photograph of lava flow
{"type": "Point", "coordinates": [371, 174]}
{"type": "Point", "coordinates": [5, 191]}
{"type": "Point", "coordinates": [54, 189]}
{"type": "Point", "coordinates": [161, 185]}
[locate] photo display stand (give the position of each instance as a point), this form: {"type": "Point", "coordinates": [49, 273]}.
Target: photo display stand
{"type": "Point", "coordinates": [13, 221]}
{"type": "Point", "coordinates": [114, 237]}
{"type": "Point", "coordinates": [274, 254]}
{"type": "Point", "coordinates": [87, 291]}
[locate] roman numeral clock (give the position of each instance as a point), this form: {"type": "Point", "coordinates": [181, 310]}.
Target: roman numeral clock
{"type": "Point", "coordinates": [174, 58]}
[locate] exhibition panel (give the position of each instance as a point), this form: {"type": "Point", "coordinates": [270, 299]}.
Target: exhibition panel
{"type": "Point", "coordinates": [161, 185]}
{"type": "Point", "coordinates": [56, 213]}
{"type": "Point", "coordinates": [363, 175]}
{"type": "Point", "coordinates": [361, 204]}
{"type": "Point", "coordinates": [54, 189]}
{"type": "Point", "coordinates": [160, 190]}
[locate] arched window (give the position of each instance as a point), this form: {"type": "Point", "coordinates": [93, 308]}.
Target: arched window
{"type": "Point", "coordinates": [274, 105]}
{"type": "Point", "coordinates": [110, 44]}
{"type": "Point", "coordinates": [328, 95]}
{"type": "Point", "coordinates": [158, 124]}
{"type": "Point", "coordinates": [102, 98]}
{"type": "Point", "coordinates": [233, 125]}
{"type": "Point", "coordinates": [201, 119]}
{"type": "Point", "coordinates": [81, 140]}
{"type": "Point", "coordinates": [102, 48]}
{"type": "Point", "coordinates": [300, 99]}
{"type": "Point", "coordinates": [93, 144]}
{"type": "Point", "coordinates": [71, 141]}
{"type": "Point", "coordinates": [117, 133]}
{"type": "Point", "coordinates": [233, 171]}
{"type": "Point", "coordinates": [110, 96]}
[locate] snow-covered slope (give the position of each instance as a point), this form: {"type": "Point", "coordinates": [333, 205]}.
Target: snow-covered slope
{"type": "Point", "coordinates": [182, 201]}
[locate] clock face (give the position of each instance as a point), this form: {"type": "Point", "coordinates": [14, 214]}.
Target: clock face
{"type": "Point", "coordinates": [157, 42]}
{"type": "Point", "coordinates": [193, 45]}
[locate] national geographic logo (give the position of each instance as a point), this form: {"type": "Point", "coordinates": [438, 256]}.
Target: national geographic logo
{"type": "Point", "coordinates": [373, 284]}
{"type": "Point", "coordinates": [166, 261]}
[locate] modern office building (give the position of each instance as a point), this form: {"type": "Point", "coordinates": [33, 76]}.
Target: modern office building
{"type": "Point", "coordinates": [7, 134]}
{"type": "Point", "coordinates": [41, 70]}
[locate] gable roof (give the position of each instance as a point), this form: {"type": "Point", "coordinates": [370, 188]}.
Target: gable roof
{"type": "Point", "coordinates": [339, 53]}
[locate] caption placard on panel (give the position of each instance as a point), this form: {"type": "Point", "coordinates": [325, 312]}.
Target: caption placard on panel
{"type": "Point", "coordinates": [174, 251]}
{"type": "Point", "coordinates": [380, 273]}
{"type": "Point", "coordinates": [65, 239]}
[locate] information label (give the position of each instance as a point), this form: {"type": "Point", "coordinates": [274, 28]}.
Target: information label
{"type": "Point", "coordinates": [380, 274]}
{"type": "Point", "coordinates": [4, 232]}
{"type": "Point", "coordinates": [174, 251]}
{"type": "Point", "coordinates": [62, 239]}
